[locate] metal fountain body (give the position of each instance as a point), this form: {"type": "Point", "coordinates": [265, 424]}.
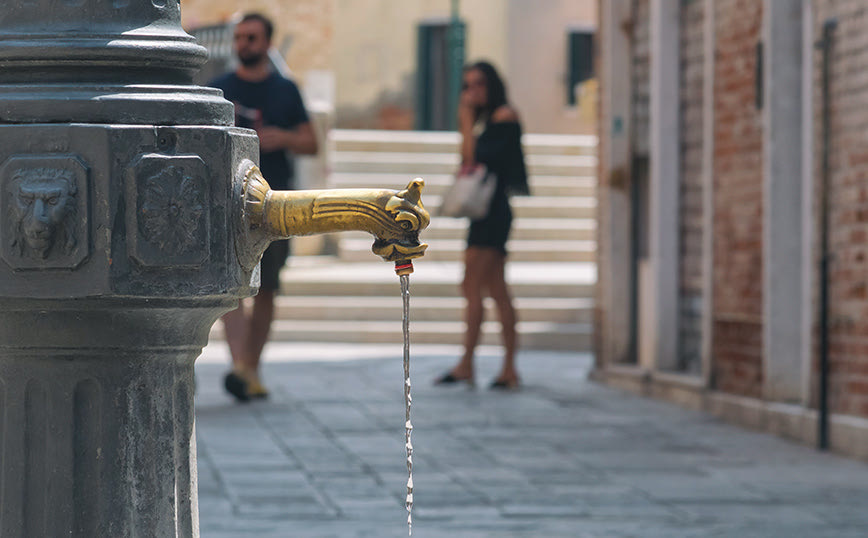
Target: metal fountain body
{"type": "Point", "coordinates": [131, 217]}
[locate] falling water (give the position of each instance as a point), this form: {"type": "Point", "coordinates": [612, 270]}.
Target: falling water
{"type": "Point", "coordinates": [408, 399]}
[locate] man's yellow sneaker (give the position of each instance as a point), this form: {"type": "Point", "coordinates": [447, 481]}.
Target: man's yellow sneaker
{"type": "Point", "coordinates": [255, 389]}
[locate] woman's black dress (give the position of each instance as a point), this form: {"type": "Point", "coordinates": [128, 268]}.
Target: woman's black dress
{"type": "Point", "coordinates": [499, 149]}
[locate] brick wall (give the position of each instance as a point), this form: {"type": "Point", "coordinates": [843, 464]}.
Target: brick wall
{"type": "Point", "coordinates": [690, 174]}
{"type": "Point", "coordinates": [738, 195]}
{"type": "Point", "coordinates": [848, 195]}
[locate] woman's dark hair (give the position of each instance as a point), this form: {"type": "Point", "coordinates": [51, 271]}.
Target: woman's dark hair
{"type": "Point", "coordinates": [494, 87]}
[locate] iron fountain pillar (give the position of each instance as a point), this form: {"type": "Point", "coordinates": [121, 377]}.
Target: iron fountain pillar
{"type": "Point", "coordinates": [131, 218]}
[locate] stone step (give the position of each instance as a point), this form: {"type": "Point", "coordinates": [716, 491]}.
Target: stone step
{"type": "Point", "coordinates": [447, 142]}
{"type": "Point", "coordinates": [436, 184]}
{"type": "Point", "coordinates": [532, 334]}
{"type": "Point", "coordinates": [327, 276]}
{"type": "Point", "coordinates": [522, 229]}
{"type": "Point", "coordinates": [536, 207]}
{"type": "Point", "coordinates": [353, 308]}
{"type": "Point", "coordinates": [435, 289]}
{"type": "Point", "coordinates": [359, 250]}
{"type": "Point", "coordinates": [420, 164]}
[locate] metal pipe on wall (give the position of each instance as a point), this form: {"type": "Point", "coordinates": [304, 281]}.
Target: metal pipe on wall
{"type": "Point", "coordinates": [823, 403]}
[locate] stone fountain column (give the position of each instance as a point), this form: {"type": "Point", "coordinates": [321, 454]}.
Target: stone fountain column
{"type": "Point", "coordinates": [116, 219]}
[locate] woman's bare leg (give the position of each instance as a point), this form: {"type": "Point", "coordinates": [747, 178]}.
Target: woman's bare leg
{"type": "Point", "coordinates": [471, 288]}
{"type": "Point", "coordinates": [496, 283]}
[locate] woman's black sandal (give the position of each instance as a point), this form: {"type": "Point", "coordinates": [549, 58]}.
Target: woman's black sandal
{"type": "Point", "coordinates": [502, 384]}
{"type": "Point", "coordinates": [449, 379]}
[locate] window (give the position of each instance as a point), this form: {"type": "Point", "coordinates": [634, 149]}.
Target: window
{"type": "Point", "coordinates": [580, 58]}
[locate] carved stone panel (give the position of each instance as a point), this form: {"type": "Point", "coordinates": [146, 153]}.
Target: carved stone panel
{"type": "Point", "coordinates": [168, 216]}
{"type": "Point", "coordinates": [44, 212]}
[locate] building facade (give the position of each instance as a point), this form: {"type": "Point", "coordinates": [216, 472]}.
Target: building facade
{"type": "Point", "coordinates": [365, 58]}
{"type": "Point", "coordinates": [730, 132]}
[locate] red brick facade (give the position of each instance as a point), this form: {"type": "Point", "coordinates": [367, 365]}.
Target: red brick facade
{"type": "Point", "coordinates": [723, 183]}
{"type": "Point", "coordinates": [848, 195]}
{"type": "Point", "coordinates": [738, 195]}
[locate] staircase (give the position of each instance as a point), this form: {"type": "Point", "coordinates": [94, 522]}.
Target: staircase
{"type": "Point", "coordinates": [354, 297]}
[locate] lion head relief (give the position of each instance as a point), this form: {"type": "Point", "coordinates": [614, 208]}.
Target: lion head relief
{"type": "Point", "coordinates": [43, 211]}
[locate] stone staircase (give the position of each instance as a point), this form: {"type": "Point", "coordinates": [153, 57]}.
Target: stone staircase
{"type": "Point", "coordinates": [354, 297]}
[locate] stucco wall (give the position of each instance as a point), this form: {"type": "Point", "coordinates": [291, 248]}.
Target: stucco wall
{"type": "Point", "coordinates": [369, 48]}
{"type": "Point", "coordinates": [525, 40]}
{"type": "Point", "coordinates": [304, 29]}
{"type": "Point", "coordinates": [537, 63]}
{"type": "Point", "coordinates": [377, 39]}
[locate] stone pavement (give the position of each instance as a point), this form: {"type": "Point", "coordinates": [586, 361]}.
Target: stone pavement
{"type": "Point", "coordinates": [561, 458]}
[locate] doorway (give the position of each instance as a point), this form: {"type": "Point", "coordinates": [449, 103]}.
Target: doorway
{"type": "Point", "coordinates": [436, 107]}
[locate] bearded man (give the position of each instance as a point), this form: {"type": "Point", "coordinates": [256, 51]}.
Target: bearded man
{"type": "Point", "coordinates": [272, 106]}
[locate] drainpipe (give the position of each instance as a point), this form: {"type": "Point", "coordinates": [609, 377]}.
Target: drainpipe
{"type": "Point", "coordinates": [823, 405]}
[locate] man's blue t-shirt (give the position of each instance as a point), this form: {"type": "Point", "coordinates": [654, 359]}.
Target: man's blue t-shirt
{"type": "Point", "coordinates": [274, 102]}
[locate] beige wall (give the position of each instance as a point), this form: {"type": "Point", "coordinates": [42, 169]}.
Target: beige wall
{"type": "Point", "coordinates": [375, 68]}
{"type": "Point", "coordinates": [369, 46]}
{"type": "Point", "coordinates": [304, 29]}
{"type": "Point", "coordinates": [537, 64]}
{"type": "Point", "coordinates": [525, 39]}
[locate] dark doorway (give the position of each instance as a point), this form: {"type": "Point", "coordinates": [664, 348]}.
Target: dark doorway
{"type": "Point", "coordinates": [639, 245]}
{"type": "Point", "coordinates": [435, 104]}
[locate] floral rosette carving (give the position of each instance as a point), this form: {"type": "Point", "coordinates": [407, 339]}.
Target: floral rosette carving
{"type": "Point", "coordinates": [170, 210]}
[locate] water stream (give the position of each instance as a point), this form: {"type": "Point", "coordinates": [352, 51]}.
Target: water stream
{"type": "Point", "coordinates": [408, 399]}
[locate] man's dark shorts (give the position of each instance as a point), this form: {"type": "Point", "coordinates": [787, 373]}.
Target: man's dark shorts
{"type": "Point", "coordinates": [272, 262]}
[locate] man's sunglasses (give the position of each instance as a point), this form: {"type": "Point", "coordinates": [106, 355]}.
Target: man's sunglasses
{"type": "Point", "coordinates": [250, 38]}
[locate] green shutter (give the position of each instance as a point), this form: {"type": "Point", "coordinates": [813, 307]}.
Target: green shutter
{"type": "Point", "coordinates": [423, 73]}
{"type": "Point", "coordinates": [580, 54]}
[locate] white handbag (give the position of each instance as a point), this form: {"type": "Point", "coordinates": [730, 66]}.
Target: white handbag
{"type": "Point", "coordinates": [470, 194]}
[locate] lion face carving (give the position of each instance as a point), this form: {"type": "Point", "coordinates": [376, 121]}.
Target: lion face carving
{"type": "Point", "coordinates": [43, 210]}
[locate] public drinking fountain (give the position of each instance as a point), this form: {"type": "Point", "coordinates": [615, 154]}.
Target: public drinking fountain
{"type": "Point", "coordinates": [131, 218]}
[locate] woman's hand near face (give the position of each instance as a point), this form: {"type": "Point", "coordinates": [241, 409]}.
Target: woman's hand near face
{"type": "Point", "coordinates": [466, 119]}
{"type": "Point", "coordinates": [466, 113]}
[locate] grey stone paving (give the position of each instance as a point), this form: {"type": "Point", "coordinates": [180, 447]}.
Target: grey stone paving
{"type": "Point", "coordinates": [561, 458]}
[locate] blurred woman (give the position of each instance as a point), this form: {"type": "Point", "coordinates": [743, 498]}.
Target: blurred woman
{"type": "Point", "coordinates": [491, 136]}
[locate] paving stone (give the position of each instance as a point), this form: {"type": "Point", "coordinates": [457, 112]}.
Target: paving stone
{"type": "Point", "coordinates": [686, 488]}
{"type": "Point", "coordinates": [324, 457]}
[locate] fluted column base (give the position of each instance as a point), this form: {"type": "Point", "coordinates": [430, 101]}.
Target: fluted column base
{"type": "Point", "coordinates": [97, 425]}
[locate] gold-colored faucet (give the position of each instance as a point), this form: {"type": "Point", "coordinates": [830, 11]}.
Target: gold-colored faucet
{"type": "Point", "coordinates": [394, 218]}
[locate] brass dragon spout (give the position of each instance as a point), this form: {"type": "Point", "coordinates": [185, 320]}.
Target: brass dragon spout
{"type": "Point", "coordinates": [394, 218]}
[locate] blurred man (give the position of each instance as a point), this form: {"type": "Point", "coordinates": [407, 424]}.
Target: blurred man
{"type": "Point", "coordinates": [272, 106]}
